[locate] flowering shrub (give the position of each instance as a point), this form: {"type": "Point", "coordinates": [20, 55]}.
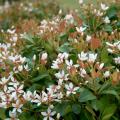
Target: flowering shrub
{"type": "Point", "coordinates": [18, 12]}
{"type": "Point", "coordinates": [67, 67]}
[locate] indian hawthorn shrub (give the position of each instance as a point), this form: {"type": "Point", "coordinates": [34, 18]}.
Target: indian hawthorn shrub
{"type": "Point", "coordinates": [63, 68]}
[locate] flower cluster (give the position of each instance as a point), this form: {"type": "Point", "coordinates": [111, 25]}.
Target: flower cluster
{"type": "Point", "coordinates": [68, 65]}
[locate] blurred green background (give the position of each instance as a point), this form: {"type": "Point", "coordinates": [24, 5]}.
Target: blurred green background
{"type": "Point", "coordinates": [67, 3]}
{"type": "Point", "coordinates": [75, 3]}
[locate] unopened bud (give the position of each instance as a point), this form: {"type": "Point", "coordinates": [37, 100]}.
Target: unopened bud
{"type": "Point", "coordinates": [58, 116]}
{"type": "Point", "coordinates": [34, 57]}
{"type": "Point", "coordinates": [44, 56]}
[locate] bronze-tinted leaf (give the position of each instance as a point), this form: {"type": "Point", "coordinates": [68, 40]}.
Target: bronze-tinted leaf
{"type": "Point", "coordinates": [95, 43]}
{"type": "Point", "coordinates": [115, 77]}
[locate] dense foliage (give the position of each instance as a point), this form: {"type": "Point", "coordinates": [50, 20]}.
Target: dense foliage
{"type": "Point", "coordinates": [59, 66]}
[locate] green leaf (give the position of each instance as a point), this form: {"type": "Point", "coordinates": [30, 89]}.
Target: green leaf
{"type": "Point", "coordinates": [86, 95]}
{"type": "Point", "coordinates": [74, 57]}
{"type": "Point", "coordinates": [112, 12]}
{"type": "Point", "coordinates": [108, 112]}
{"type": "Point", "coordinates": [118, 25]}
{"type": "Point", "coordinates": [88, 115]}
{"type": "Point", "coordinates": [65, 48]}
{"type": "Point", "coordinates": [76, 108]}
{"type": "Point", "coordinates": [102, 103]}
{"type": "Point", "coordinates": [111, 92]}
{"type": "Point", "coordinates": [94, 105]}
{"type": "Point", "coordinates": [104, 55]}
{"type": "Point", "coordinates": [28, 37]}
{"type": "Point", "coordinates": [49, 47]}
{"type": "Point", "coordinates": [107, 89]}
{"type": "Point", "coordinates": [26, 116]}
{"type": "Point", "coordinates": [90, 110]}
{"type": "Point", "coordinates": [38, 78]}
{"type": "Point", "coordinates": [2, 114]}
{"type": "Point", "coordinates": [35, 86]}
{"type": "Point", "coordinates": [104, 87]}
{"type": "Point", "coordinates": [63, 36]}
{"type": "Point", "coordinates": [70, 116]}
{"type": "Point", "coordinates": [108, 28]}
{"type": "Point", "coordinates": [63, 108]}
{"type": "Point", "coordinates": [84, 115]}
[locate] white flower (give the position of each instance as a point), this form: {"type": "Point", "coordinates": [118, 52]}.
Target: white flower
{"type": "Point", "coordinates": [60, 11]}
{"type": "Point", "coordinates": [13, 81]}
{"type": "Point", "coordinates": [3, 81]}
{"type": "Point", "coordinates": [99, 13]}
{"type": "Point", "coordinates": [107, 74]}
{"type": "Point", "coordinates": [82, 72]}
{"type": "Point", "coordinates": [83, 56]}
{"type": "Point", "coordinates": [11, 31]}
{"type": "Point", "coordinates": [118, 46]}
{"type": "Point", "coordinates": [92, 57]}
{"type": "Point", "coordinates": [70, 65]}
{"type": "Point", "coordinates": [48, 114]}
{"type": "Point", "coordinates": [71, 89]}
{"type": "Point", "coordinates": [109, 44]}
{"type": "Point", "coordinates": [44, 22]}
{"type": "Point", "coordinates": [86, 82]}
{"type": "Point", "coordinates": [51, 106]}
{"type": "Point", "coordinates": [81, 29]}
{"type": "Point", "coordinates": [53, 88]}
{"type": "Point", "coordinates": [59, 61]}
{"type": "Point", "coordinates": [80, 1]}
{"type": "Point", "coordinates": [20, 68]}
{"type": "Point", "coordinates": [62, 56]}
{"type": "Point", "coordinates": [38, 99]}
{"type": "Point", "coordinates": [106, 20]}
{"type": "Point", "coordinates": [69, 18]}
{"type": "Point", "coordinates": [55, 64]}
{"type": "Point", "coordinates": [22, 59]}
{"type": "Point", "coordinates": [59, 96]}
{"type": "Point", "coordinates": [66, 55]}
{"type": "Point", "coordinates": [61, 75]}
{"type": "Point", "coordinates": [44, 56]}
{"type": "Point", "coordinates": [16, 90]}
{"type": "Point", "coordinates": [114, 45]}
{"type": "Point", "coordinates": [12, 115]}
{"type": "Point", "coordinates": [6, 5]}
{"type": "Point", "coordinates": [110, 50]}
{"type": "Point", "coordinates": [101, 66]}
{"type": "Point", "coordinates": [17, 106]}
{"type": "Point", "coordinates": [104, 7]}
{"type": "Point", "coordinates": [44, 97]}
{"type": "Point", "coordinates": [26, 67]}
{"type": "Point", "coordinates": [27, 95]}
{"type": "Point", "coordinates": [14, 38]}
{"type": "Point", "coordinates": [88, 38]}
{"type": "Point", "coordinates": [117, 60]}
{"type": "Point", "coordinates": [6, 98]}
